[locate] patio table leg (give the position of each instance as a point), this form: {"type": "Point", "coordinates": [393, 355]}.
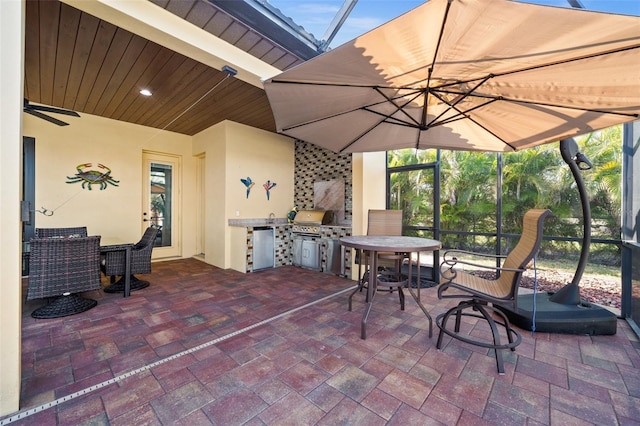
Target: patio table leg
{"type": "Point", "coordinates": [371, 291]}
{"type": "Point", "coordinates": [416, 297]}
{"type": "Point", "coordinates": [127, 270]}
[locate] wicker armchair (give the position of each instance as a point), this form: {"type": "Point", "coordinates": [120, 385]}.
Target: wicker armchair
{"type": "Point", "coordinates": [501, 291]}
{"type": "Point", "coordinates": [114, 257]}
{"type": "Point", "coordinates": [59, 268]}
{"type": "Point", "coordinates": [80, 231]}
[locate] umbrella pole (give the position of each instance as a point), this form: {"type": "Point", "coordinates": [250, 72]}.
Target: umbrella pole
{"type": "Point", "coordinates": [563, 311]}
{"type": "Point", "coordinates": [570, 293]}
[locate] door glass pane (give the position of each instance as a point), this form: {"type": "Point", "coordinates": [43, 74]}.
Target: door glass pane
{"type": "Point", "coordinates": [160, 202]}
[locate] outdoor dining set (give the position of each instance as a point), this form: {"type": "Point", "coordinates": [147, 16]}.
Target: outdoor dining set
{"type": "Point", "coordinates": [384, 250]}
{"type": "Point", "coordinates": [64, 262]}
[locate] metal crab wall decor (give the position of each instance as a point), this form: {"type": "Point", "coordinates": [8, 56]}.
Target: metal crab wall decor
{"type": "Point", "coordinates": [90, 177]}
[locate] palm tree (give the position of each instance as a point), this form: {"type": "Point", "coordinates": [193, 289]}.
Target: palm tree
{"type": "Point", "coordinates": [468, 193]}
{"type": "Point", "coordinates": [532, 178]}
{"type": "Point", "coordinates": [603, 182]}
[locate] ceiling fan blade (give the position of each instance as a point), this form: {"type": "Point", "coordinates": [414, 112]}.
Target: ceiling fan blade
{"type": "Point", "coordinates": [45, 108]}
{"type": "Point", "coordinates": [54, 110]}
{"type": "Point", "coordinates": [45, 117]}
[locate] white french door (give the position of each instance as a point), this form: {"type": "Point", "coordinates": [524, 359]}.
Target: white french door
{"type": "Point", "coordinates": [161, 201]}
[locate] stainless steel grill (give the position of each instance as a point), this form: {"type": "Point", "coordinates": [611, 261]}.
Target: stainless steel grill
{"type": "Point", "coordinates": [306, 249]}
{"type": "Point", "coordinates": [308, 222]}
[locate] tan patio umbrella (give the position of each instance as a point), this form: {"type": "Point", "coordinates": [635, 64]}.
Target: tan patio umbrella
{"type": "Point", "coordinates": [481, 75]}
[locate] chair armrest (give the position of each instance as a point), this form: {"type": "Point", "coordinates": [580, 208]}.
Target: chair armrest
{"type": "Point", "coordinates": [453, 261]}
{"type": "Point", "coordinates": [471, 253]}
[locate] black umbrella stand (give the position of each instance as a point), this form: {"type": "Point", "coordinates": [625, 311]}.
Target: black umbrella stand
{"type": "Point", "coordinates": [564, 311]}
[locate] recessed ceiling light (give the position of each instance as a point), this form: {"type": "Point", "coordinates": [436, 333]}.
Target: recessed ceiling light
{"type": "Point", "coordinates": [145, 92]}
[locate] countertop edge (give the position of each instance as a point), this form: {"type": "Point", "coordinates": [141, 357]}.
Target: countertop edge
{"type": "Point", "coordinates": [248, 223]}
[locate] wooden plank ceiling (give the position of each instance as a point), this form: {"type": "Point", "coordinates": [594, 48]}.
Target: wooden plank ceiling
{"type": "Point", "coordinates": [76, 61]}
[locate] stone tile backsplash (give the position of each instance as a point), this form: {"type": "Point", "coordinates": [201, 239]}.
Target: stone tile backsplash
{"type": "Point", "coordinates": [313, 164]}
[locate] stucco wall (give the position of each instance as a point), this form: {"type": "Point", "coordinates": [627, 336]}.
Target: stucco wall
{"type": "Point", "coordinates": [369, 171]}
{"type": "Point", "coordinates": [115, 212]}
{"type": "Point", "coordinates": [234, 151]}
{"type": "Point", "coordinates": [11, 53]}
{"type": "Point", "coordinates": [231, 151]}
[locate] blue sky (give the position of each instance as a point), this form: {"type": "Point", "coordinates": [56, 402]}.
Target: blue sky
{"type": "Point", "coordinates": [316, 15]}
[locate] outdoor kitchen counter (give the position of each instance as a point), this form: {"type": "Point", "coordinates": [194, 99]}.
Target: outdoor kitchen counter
{"type": "Point", "coordinates": [242, 242]}
{"type": "Point", "coordinates": [250, 223]}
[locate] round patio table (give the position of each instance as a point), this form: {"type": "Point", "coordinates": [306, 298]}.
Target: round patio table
{"type": "Point", "coordinates": [397, 244]}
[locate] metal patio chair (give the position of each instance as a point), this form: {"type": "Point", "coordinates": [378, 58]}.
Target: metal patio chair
{"type": "Point", "coordinates": [488, 294]}
{"type": "Point", "coordinates": [383, 222]}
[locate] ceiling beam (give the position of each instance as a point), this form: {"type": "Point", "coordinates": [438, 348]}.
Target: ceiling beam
{"type": "Point", "coordinates": [160, 26]}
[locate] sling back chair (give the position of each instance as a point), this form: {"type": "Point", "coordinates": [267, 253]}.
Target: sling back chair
{"type": "Point", "coordinates": [383, 222]}
{"type": "Point", "coordinates": [114, 262]}
{"type": "Point", "coordinates": [499, 292]}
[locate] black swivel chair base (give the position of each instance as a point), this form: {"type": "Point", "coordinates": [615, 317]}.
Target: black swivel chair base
{"type": "Point", "coordinates": [480, 306]}
{"type": "Point", "coordinates": [118, 286]}
{"type": "Point", "coordinates": [63, 306]}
